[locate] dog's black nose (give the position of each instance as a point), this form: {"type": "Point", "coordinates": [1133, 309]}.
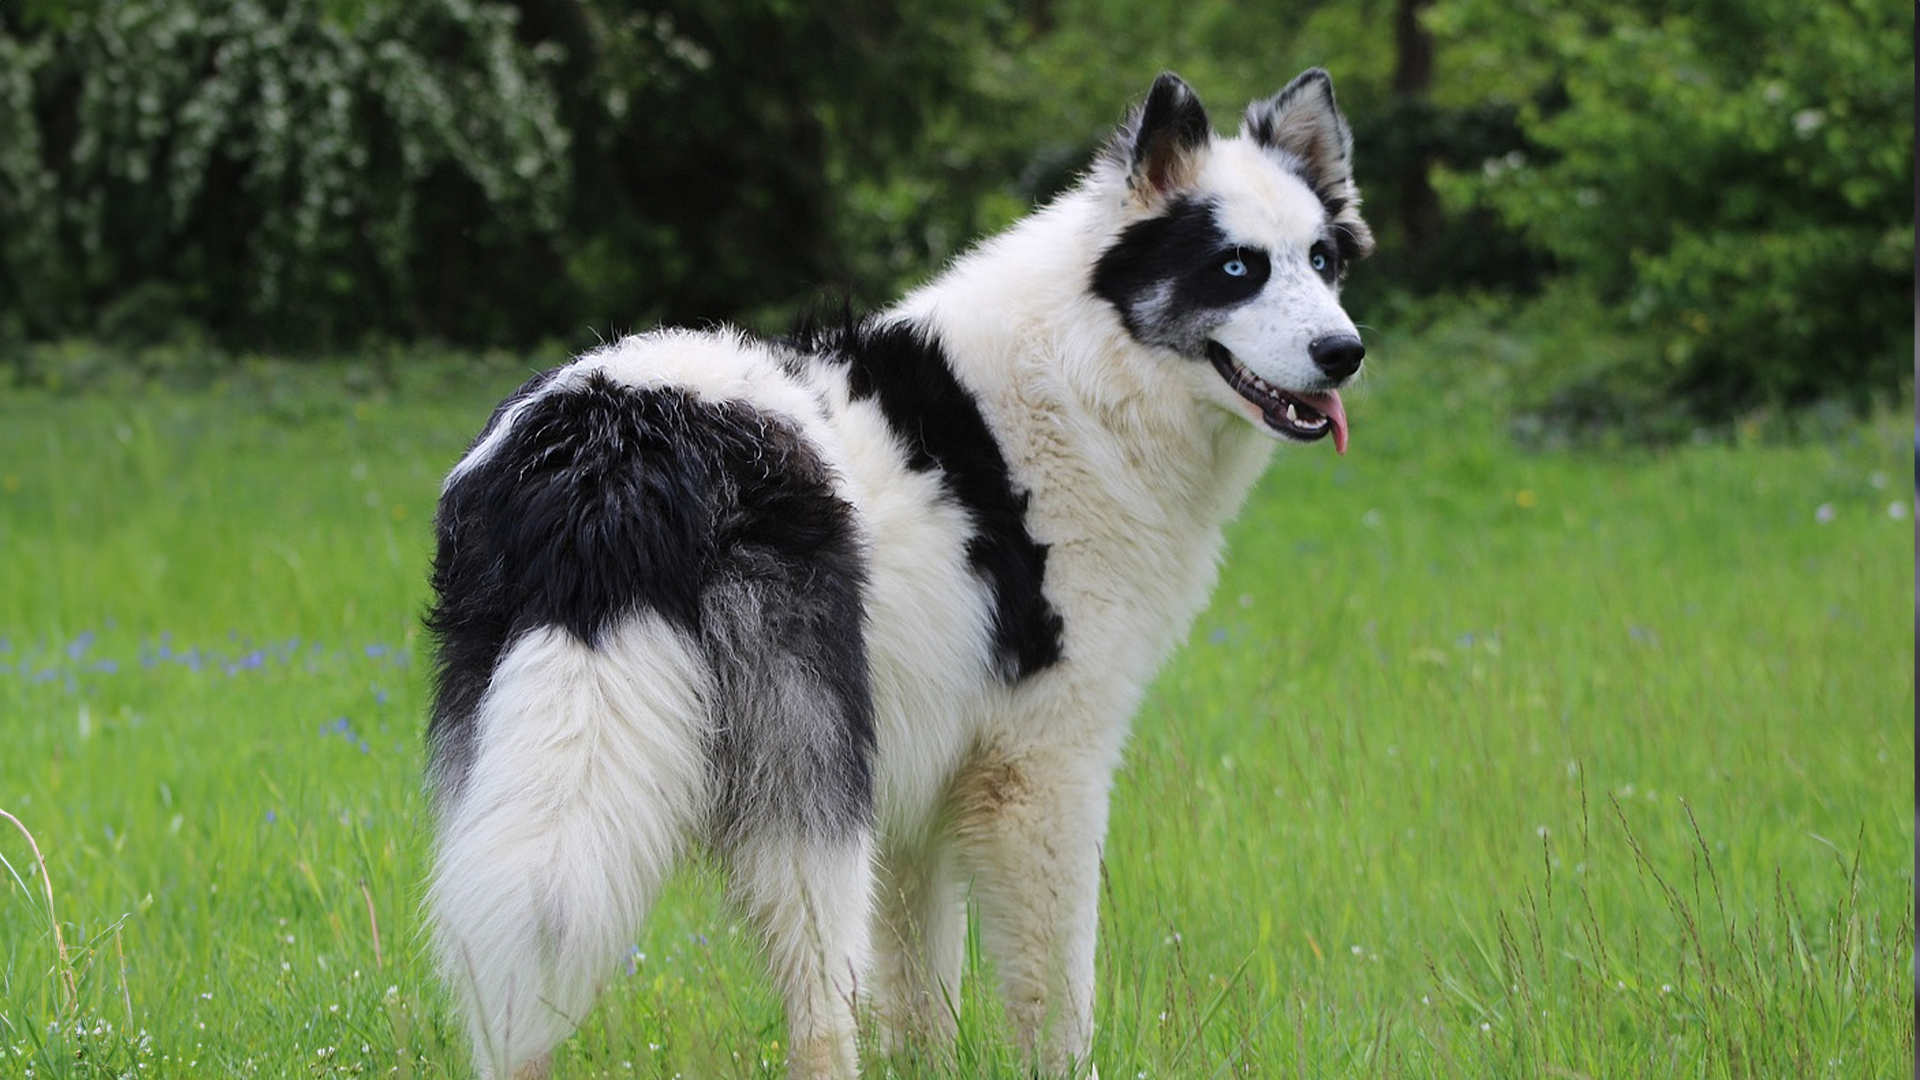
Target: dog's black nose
{"type": "Point", "coordinates": [1339, 356]}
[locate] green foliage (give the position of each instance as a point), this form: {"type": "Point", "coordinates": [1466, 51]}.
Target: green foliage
{"type": "Point", "coordinates": [292, 172]}
{"type": "Point", "coordinates": [1733, 177]}
{"type": "Point", "coordinates": [715, 139]}
{"type": "Point", "coordinates": [279, 169]}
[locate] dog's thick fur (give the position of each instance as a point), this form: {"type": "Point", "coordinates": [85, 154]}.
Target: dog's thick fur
{"type": "Point", "coordinates": [864, 613]}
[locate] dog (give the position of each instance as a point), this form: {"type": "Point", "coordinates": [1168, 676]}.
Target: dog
{"type": "Point", "coordinates": [863, 613]}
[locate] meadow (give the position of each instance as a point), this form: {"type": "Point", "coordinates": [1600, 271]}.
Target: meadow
{"type": "Point", "coordinates": [1486, 761]}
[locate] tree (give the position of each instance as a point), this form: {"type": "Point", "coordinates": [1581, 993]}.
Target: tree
{"type": "Point", "coordinates": [1733, 175]}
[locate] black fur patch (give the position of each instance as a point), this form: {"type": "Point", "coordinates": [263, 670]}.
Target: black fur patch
{"type": "Point", "coordinates": [904, 368]}
{"type": "Point", "coordinates": [1353, 243]}
{"type": "Point", "coordinates": [1184, 255]}
{"type": "Point", "coordinates": [470, 618]}
{"type": "Point", "coordinates": [603, 501]}
{"type": "Point", "coordinates": [1172, 128]}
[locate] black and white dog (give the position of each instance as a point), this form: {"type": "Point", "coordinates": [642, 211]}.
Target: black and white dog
{"type": "Point", "coordinates": [865, 613]}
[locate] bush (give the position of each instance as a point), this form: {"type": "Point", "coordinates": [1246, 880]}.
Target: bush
{"type": "Point", "coordinates": [287, 173]}
{"type": "Point", "coordinates": [286, 170]}
{"type": "Point", "coordinates": [1733, 175]}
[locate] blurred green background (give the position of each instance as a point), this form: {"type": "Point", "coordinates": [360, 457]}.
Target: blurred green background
{"type": "Point", "coordinates": [1708, 201]}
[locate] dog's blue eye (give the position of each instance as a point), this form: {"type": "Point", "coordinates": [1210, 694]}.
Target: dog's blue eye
{"type": "Point", "coordinates": [1235, 267]}
{"type": "Point", "coordinates": [1319, 262]}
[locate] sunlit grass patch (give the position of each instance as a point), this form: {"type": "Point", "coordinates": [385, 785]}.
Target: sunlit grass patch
{"type": "Point", "coordinates": [1482, 763]}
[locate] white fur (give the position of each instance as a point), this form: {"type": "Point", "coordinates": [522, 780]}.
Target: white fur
{"type": "Point", "coordinates": [1134, 460]}
{"type": "Point", "coordinates": [586, 782]}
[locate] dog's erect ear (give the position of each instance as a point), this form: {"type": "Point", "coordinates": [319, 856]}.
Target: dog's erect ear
{"type": "Point", "coordinates": [1304, 126]}
{"type": "Point", "coordinates": [1160, 143]}
{"type": "Point", "coordinates": [1303, 121]}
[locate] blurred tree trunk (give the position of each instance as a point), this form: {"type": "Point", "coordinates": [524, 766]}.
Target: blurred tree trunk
{"type": "Point", "coordinates": [1040, 16]}
{"type": "Point", "coordinates": [1419, 204]}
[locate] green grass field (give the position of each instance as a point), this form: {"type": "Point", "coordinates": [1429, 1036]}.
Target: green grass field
{"type": "Point", "coordinates": [1484, 762]}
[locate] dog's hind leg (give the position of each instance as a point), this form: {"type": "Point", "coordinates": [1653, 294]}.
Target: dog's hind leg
{"type": "Point", "coordinates": [920, 940]}
{"type": "Point", "coordinates": [809, 900]}
{"type": "Point", "coordinates": [793, 753]}
{"type": "Point", "coordinates": [585, 783]}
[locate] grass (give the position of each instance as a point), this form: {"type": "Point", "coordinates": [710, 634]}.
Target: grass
{"type": "Point", "coordinates": [1483, 763]}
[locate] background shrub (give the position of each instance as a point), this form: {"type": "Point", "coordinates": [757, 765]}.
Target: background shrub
{"type": "Point", "coordinates": [1733, 179]}
{"type": "Point", "coordinates": [280, 170]}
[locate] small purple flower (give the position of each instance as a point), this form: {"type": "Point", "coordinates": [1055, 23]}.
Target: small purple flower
{"type": "Point", "coordinates": [79, 646]}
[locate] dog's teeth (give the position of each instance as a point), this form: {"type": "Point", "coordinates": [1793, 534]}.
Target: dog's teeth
{"type": "Point", "coordinates": [1292, 416]}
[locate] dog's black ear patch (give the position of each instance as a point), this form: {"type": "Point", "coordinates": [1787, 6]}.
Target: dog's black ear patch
{"type": "Point", "coordinates": [1160, 143]}
{"type": "Point", "coordinates": [1302, 124]}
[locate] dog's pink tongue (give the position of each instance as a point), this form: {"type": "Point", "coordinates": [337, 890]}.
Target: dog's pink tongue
{"type": "Point", "coordinates": [1336, 414]}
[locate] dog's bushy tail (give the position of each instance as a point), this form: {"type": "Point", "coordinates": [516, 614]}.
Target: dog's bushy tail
{"type": "Point", "coordinates": [586, 782]}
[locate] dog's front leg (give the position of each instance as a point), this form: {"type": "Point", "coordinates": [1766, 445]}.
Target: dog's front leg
{"type": "Point", "coordinates": [1031, 825]}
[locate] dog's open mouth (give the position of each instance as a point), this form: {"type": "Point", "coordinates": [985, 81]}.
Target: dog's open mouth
{"type": "Point", "coordinates": [1295, 414]}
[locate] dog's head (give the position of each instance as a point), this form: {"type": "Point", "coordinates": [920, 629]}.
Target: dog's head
{"type": "Point", "coordinates": [1230, 252]}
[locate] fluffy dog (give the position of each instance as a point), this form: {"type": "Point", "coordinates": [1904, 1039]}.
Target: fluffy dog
{"type": "Point", "coordinates": [864, 613]}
